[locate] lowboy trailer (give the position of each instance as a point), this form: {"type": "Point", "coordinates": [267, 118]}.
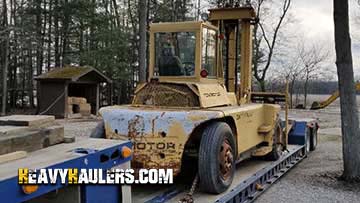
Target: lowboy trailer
{"type": "Point", "coordinates": [252, 177]}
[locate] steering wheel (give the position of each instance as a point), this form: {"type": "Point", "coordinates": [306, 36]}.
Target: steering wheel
{"type": "Point", "coordinates": [189, 68]}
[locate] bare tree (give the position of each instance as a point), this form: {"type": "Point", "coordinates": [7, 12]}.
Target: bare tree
{"type": "Point", "coordinates": [269, 37]}
{"type": "Point", "coordinates": [349, 112]}
{"type": "Point", "coordinates": [311, 60]}
{"type": "Point", "coordinates": [291, 72]}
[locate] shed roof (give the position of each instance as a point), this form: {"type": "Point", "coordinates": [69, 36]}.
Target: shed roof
{"type": "Point", "coordinates": [71, 73]}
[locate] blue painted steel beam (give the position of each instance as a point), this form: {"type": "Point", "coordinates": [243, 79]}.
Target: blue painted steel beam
{"type": "Point", "coordinates": [11, 191]}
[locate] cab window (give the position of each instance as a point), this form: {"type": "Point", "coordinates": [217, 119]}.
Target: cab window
{"type": "Point", "coordinates": [175, 54]}
{"type": "Point", "coordinates": [208, 62]}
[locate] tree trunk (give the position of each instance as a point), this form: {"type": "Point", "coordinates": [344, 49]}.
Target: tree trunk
{"type": "Point", "coordinates": [65, 36]}
{"type": "Point", "coordinates": [349, 112]}
{"type": "Point", "coordinates": [57, 33]}
{"type": "Point", "coordinates": [306, 87]}
{"type": "Point", "coordinates": [49, 36]}
{"type": "Point", "coordinates": [142, 45]}
{"type": "Point", "coordinates": [6, 61]}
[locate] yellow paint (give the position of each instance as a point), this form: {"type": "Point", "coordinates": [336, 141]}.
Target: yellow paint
{"type": "Point", "coordinates": [254, 123]}
{"type": "Point", "coordinates": [248, 119]}
{"type": "Point", "coordinates": [232, 13]}
{"type": "Point", "coordinates": [262, 151]}
{"type": "Point", "coordinates": [246, 61]}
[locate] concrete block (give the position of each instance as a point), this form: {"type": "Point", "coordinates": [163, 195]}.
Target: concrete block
{"type": "Point", "coordinates": [78, 100]}
{"type": "Point", "coordinates": [31, 139]}
{"type": "Point", "coordinates": [54, 134]}
{"type": "Point", "coordinates": [11, 130]}
{"type": "Point", "coordinates": [70, 109]}
{"type": "Point", "coordinates": [69, 100]}
{"type": "Point", "coordinates": [85, 107]}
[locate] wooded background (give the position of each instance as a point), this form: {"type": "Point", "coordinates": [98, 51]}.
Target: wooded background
{"type": "Point", "coordinates": [39, 35]}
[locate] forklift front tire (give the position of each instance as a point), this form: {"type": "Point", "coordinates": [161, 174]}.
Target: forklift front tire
{"type": "Point", "coordinates": [216, 158]}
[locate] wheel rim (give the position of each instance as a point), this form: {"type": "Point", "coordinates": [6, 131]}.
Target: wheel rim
{"type": "Point", "coordinates": [226, 159]}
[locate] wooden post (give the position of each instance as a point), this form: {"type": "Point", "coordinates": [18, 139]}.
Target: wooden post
{"type": "Point", "coordinates": [97, 98]}
{"type": "Point", "coordinates": [66, 89]}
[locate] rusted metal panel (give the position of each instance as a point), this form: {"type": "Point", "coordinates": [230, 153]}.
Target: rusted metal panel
{"type": "Point", "coordinates": [212, 95]}
{"type": "Point", "coordinates": [159, 136]}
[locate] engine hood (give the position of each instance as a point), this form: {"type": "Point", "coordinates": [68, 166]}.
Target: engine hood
{"type": "Point", "coordinates": [133, 122]}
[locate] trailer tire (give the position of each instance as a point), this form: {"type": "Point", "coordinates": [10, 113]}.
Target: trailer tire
{"type": "Point", "coordinates": [99, 131]}
{"type": "Point", "coordinates": [314, 139]}
{"type": "Point", "coordinates": [307, 140]}
{"type": "Point", "coordinates": [276, 152]}
{"type": "Point", "coordinates": [216, 158]}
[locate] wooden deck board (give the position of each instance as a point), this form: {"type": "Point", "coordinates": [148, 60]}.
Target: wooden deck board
{"type": "Point", "coordinates": [27, 120]}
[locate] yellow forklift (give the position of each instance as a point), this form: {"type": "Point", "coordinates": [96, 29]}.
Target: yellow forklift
{"type": "Point", "coordinates": [197, 102]}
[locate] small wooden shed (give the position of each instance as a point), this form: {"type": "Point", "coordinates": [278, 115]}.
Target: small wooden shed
{"type": "Point", "coordinates": [57, 85]}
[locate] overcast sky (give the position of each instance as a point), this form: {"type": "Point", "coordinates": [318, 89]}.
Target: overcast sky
{"type": "Point", "coordinates": [315, 20]}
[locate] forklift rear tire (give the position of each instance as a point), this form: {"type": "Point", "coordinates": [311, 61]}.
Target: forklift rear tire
{"type": "Point", "coordinates": [277, 150]}
{"type": "Point", "coordinates": [314, 139]}
{"type": "Point", "coordinates": [216, 158]}
{"type": "Point", "coordinates": [99, 131]}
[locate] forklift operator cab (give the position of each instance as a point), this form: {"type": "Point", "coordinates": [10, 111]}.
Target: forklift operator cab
{"type": "Point", "coordinates": [192, 53]}
{"type": "Point", "coordinates": [187, 50]}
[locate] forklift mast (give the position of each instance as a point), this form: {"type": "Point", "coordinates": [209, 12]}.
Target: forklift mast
{"type": "Point", "coordinates": [235, 24]}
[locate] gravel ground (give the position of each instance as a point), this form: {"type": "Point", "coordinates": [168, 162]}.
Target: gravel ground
{"type": "Point", "coordinates": [315, 179]}
{"type": "Point", "coordinates": [81, 129]}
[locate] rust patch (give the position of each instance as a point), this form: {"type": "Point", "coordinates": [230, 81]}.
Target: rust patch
{"type": "Point", "coordinates": [135, 127]}
{"type": "Point", "coordinates": [165, 94]}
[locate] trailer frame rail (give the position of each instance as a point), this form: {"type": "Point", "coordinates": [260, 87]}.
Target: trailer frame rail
{"type": "Point", "coordinates": [251, 188]}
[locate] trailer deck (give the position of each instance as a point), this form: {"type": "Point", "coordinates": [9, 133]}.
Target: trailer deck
{"type": "Point", "coordinates": [252, 177]}
{"type": "Point", "coordinates": [87, 154]}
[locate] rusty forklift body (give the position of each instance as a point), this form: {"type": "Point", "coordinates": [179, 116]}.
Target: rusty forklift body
{"type": "Point", "coordinates": [169, 113]}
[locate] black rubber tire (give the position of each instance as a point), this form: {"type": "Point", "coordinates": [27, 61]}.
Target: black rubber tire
{"type": "Point", "coordinates": [277, 150]}
{"type": "Point", "coordinates": [314, 139]}
{"type": "Point", "coordinates": [307, 140]}
{"type": "Point", "coordinates": [211, 180]}
{"type": "Point", "coordinates": [99, 131]}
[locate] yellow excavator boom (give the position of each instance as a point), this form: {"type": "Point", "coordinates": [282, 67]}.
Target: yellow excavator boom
{"type": "Point", "coordinates": [320, 105]}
